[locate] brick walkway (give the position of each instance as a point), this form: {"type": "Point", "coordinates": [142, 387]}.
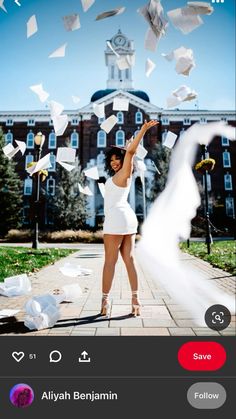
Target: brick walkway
{"type": "Point", "coordinates": [160, 315]}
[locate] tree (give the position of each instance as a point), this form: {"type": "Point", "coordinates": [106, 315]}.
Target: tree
{"type": "Point", "coordinates": [10, 193]}
{"type": "Point", "coordinates": [160, 155]}
{"type": "Point", "coordinates": [68, 206]}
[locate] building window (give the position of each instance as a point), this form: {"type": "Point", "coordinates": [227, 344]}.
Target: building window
{"type": "Point", "coordinates": [74, 139]}
{"type": "Point", "coordinates": [165, 121]}
{"type": "Point", "coordinates": [100, 158]}
{"type": "Point", "coordinates": [224, 119]}
{"type": "Point", "coordinates": [100, 120]}
{"type": "Point", "coordinates": [28, 159]}
{"type": "Point", "coordinates": [31, 123]}
{"type": "Point", "coordinates": [30, 140]}
{"type": "Point", "coordinates": [203, 121]}
{"type": "Point", "coordinates": [51, 186]}
{"type": "Point", "coordinates": [53, 163]}
{"type": "Point", "coordinates": [9, 122]}
{"type": "Point", "coordinates": [226, 159]}
{"type": "Point", "coordinates": [228, 182]}
{"type": "Point", "coordinates": [28, 186]}
{"type": "Point", "coordinates": [8, 137]}
{"type": "Point", "coordinates": [136, 133]}
{"type": "Point", "coordinates": [101, 139]}
{"type": "Point", "coordinates": [187, 121]}
{"type": "Point", "coordinates": [120, 117]}
{"type": "Point", "coordinates": [74, 121]}
{"type": "Point", "coordinates": [127, 73]}
{"type": "Point", "coordinates": [229, 207]}
{"type": "Point", "coordinates": [112, 72]}
{"type": "Point", "coordinates": [224, 141]}
{"type": "Point", "coordinates": [138, 118]}
{"type": "Point", "coordinates": [120, 138]}
{"type": "Point", "coordinates": [52, 140]}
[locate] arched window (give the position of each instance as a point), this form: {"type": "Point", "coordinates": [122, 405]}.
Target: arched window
{"type": "Point", "coordinates": [51, 186]}
{"type": "Point", "coordinates": [74, 139]}
{"type": "Point", "coordinates": [101, 139]}
{"type": "Point", "coordinates": [28, 159]}
{"type": "Point", "coordinates": [228, 182]}
{"type": "Point", "coordinates": [229, 206]}
{"type": "Point", "coordinates": [120, 138]}
{"type": "Point", "coordinates": [226, 159]}
{"type": "Point", "coordinates": [120, 117]}
{"type": "Point", "coordinates": [30, 140]}
{"type": "Point", "coordinates": [52, 140]}
{"type": "Point", "coordinates": [9, 137]}
{"type": "Point", "coordinates": [53, 163]}
{"type": "Point", "coordinates": [138, 118]}
{"type": "Point", "coordinates": [28, 186]}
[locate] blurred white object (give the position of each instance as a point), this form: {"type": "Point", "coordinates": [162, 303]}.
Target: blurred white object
{"type": "Point", "coordinates": [74, 270]}
{"type": "Point", "coordinates": [42, 312]}
{"type": "Point", "coordinates": [8, 313]}
{"type": "Point", "coordinates": [15, 285]}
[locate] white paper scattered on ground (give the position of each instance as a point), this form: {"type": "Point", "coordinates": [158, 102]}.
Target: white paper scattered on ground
{"type": "Point", "coordinates": [112, 49]}
{"type": "Point", "coordinates": [38, 89]}
{"type": "Point", "coordinates": [2, 6]}
{"type": "Point", "coordinates": [110, 13]}
{"type": "Point", "coordinates": [150, 65]}
{"type": "Point", "coordinates": [32, 26]}
{"type": "Point", "coordinates": [85, 190]}
{"type": "Point", "coordinates": [169, 221]}
{"type": "Point", "coordinates": [186, 23]}
{"type": "Point", "coordinates": [86, 4]}
{"type": "Point", "coordinates": [184, 60]}
{"type": "Point", "coordinates": [92, 173]}
{"type": "Point", "coordinates": [42, 312]}
{"type": "Point", "coordinates": [59, 52]}
{"type": "Point", "coordinates": [109, 123]}
{"type": "Point", "coordinates": [71, 22]}
{"type": "Point", "coordinates": [8, 313]}
{"type": "Point", "coordinates": [76, 99]}
{"type": "Point", "coordinates": [120, 104]}
{"type": "Point", "coordinates": [125, 61]}
{"type": "Point", "coordinates": [99, 109]}
{"type": "Point", "coordinates": [101, 188]}
{"type": "Point", "coordinates": [15, 285]}
{"type": "Point", "coordinates": [169, 140]}
{"type": "Point", "coordinates": [42, 164]}
{"type": "Point", "coordinates": [74, 270]}
{"type": "Point", "coordinates": [68, 293]}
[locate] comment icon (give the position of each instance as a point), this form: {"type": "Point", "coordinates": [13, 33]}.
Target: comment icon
{"type": "Point", "coordinates": [55, 356]}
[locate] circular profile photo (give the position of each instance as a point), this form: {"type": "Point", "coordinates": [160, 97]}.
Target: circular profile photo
{"type": "Point", "coordinates": [21, 395]}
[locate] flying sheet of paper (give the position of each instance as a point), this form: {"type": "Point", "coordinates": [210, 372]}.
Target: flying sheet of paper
{"type": "Point", "coordinates": [184, 60]}
{"type": "Point", "coordinates": [109, 123]}
{"type": "Point", "coordinates": [141, 152]}
{"type": "Point", "coordinates": [182, 94]}
{"type": "Point", "coordinates": [10, 151]}
{"type": "Point", "coordinates": [85, 190]}
{"type": "Point", "coordinates": [169, 221]}
{"type": "Point", "coordinates": [110, 13]}
{"type": "Point", "coordinates": [72, 22]}
{"type": "Point", "coordinates": [59, 52]}
{"type": "Point", "coordinates": [149, 67]}
{"type": "Point", "coordinates": [2, 6]}
{"type": "Point", "coordinates": [125, 61]}
{"type": "Point", "coordinates": [120, 104]}
{"type": "Point", "coordinates": [76, 99]}
{"type": "Point", "coordinates": [151, 40]}
{"type": "Point", "coordinates": [92, 173]}
{"type": "Point", "coordinates": [154, 15]}
{"type": "Point", "coordinates": [8, 313]}
{"type": "Point", "coordinates": [169, 140]}
{"type": "Point", "coordinates": [17, 2]}
{"type": "Point", "coordinates": [67, 166]}
{"type": "Point", "coordinates": [38, 89]}
{"type": "Point", "coordinates": [101, 188]}
{"type": "Point", "coordinates": [99, 110]}
{"type": "Point", "coordinates": [198, 8]}
{"type": "Point", "coordinates": [42, 164]}
{"type": "Point", "coordinates": [66, 154]}
{"type": "Point", "coordinates": [60, 124]}
{"type": "Point", "coordinates": [32, 26]}
{"type": "Point", "coordinates": [15, 285]}
{"type": "Point", "coordinates": [186, 23]}
{"type": "Point", "coordinates": [86, 4]}
{"type": "Point", "coordinates": [56, 108]}
{"type": "Point", "coordinates": [112, 49]}
{"type": "Point", "coordinates": [172, 101]}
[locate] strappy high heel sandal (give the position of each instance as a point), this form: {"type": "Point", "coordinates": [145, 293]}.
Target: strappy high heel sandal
{"type": "Point", "coordinates": [105, 305]}
{"type": "Point", "coordinates": [135, 307]}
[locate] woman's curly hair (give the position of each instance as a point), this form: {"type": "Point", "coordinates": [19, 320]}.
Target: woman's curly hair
{"type": "Point", "coordinates": [119, 153]}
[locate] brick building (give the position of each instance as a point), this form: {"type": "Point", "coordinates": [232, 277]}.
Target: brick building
{"type": "Point", "coordinates": [85, 135]}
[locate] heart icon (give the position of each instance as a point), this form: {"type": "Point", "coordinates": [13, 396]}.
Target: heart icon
{"type": "Point", "coordinates": [18, 356]}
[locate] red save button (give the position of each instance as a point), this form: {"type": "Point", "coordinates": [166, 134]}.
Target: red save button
{"type": "Point", "coordinates": [202, 356]}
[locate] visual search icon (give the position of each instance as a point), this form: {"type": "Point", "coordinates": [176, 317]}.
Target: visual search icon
{"type": "Point", "coordinates": [217, 317]}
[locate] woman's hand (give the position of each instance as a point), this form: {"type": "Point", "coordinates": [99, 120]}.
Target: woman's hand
{"type": "Point", "coordinates": [148, 125]}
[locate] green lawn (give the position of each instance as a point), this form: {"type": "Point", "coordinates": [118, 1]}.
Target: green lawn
{"type": "Point", "coordinates": [223, 254]}
{"type": "Point", "coordinates": [18, 260]}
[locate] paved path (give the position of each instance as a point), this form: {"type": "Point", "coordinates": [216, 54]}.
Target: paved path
{"type": "Point", "coordinates": [160, 315]}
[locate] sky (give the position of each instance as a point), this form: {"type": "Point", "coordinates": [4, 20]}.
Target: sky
{"type": "Point", "coordinates": [25, 62]}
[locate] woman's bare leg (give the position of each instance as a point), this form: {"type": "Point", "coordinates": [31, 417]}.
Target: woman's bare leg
{"type": "Point", "coordinates": [112, 243]}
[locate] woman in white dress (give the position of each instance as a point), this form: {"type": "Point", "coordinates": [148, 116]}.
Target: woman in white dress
{"type": "Point", "coordinates": [120, 224]}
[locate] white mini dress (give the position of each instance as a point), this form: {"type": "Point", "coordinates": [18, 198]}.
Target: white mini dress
{"type": "Point", "coordinates": [119, 216]}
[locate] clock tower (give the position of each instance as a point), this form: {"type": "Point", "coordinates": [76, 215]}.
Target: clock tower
{"type": "Point", "coordinates": [119, 79]}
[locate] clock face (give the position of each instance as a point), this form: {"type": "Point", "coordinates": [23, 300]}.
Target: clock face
{"type": "Point", "coordinates": [119, 40]}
